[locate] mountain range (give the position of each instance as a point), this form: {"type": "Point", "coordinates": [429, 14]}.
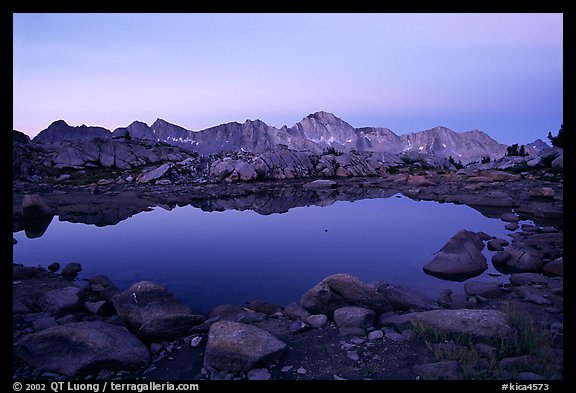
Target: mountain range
{"type": "Point", "coordinates": [315, 133]}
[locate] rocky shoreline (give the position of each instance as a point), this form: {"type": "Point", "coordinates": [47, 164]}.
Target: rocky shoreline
{"type": "Point", "coordinates": [533, 196]}
{"type": "Point", "coordinates": [341, 328]}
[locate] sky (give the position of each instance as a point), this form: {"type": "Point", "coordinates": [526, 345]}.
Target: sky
{"type": "Point", "coordinates": [500, 73]}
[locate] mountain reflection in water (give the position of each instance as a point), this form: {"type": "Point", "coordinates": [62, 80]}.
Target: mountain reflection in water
{"type": "Point", "coordinates": [221, 251]}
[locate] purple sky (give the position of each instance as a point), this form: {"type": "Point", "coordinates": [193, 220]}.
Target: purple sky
{"type": "Point", "coordinates": [501, 73]}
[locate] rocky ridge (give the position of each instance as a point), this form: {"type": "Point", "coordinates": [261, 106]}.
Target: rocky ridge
{"type": "Point", "coordinates": [314, 133]}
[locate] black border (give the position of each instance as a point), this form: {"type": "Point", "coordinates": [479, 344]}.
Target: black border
{"type": "Point", "coordinates": [358, 6]}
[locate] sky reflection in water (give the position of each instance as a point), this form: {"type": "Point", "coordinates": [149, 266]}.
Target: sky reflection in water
{"type": "Point", "coordinates": [212, 258]}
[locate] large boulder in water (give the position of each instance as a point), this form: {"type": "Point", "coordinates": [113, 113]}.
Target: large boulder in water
{"type": "Point", "coordinates": [153, 313]}
{"type": "Point", "coordinates": [460, 258]}
{"type": "Point", "coordinates": [342, 290]}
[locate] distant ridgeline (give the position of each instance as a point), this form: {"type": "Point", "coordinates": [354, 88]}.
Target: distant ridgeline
{"type": "Point", "coordinates": [315, 133]}
{"type": "Point", "coordinates": [319, 146]}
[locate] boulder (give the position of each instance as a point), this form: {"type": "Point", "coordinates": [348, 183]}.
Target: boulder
{"type": "Point", "coordinates": [43, 323]}
{"type": "Point", "coordinates": [419, 181]}
{"type": "Point", "coordinates": [509, 217]}
{"type": "Point", "coordinates": [497, 244]}
{"type": "Point", "coordinates": [103, 286]}
{"type": "Point", "coordinates": [491, 198]}
{"type": "Point", "coordinates": [102, 308]}
{"type": "Point", "coordinates": [542, 210]}
{"type": "Point", "coordinates": [82, 347]}
{"type": "Point", "coordinates": [449, 299]}
{"type": "Point", "coordinates": [342, 290]}
{"type": "Point", "coordinates": [521, 279]}
{"type": "Point", "coordinates": [264, 307]}
{"type": "Point", "coordinates": [497, 175]}
{"type": "Point", "coordinates": [245, 171]}
{"type": "Point", "coordinates": [405, 299]}
{"type": "Point", "coordinates": [234, 346]}
{"type": "Point", "coordinates": [54, 267]}
{"type": "Point", "coordinates": [71, 270]}
{"type": "Point", "coordinates": [61, 301]}
{"type": "Point", "coordinates": [317, 321]}
{"type": "Point", "coordinates": [225, 311]}
{"type": "Point", "coordinates": [544, 240]}
{"type": "Point", "coordinates": [554, 268]}
{"type": "Point", "coordinates": [558, 162]}
{"type": "Point", "coordinates": [296, 311]}
{"type": "Point", "coordinates": [482, 288]}
{"type": "Point", "coordinates": [153, 313]}
{"type": "Point", "coordinates": [236, 313]}
{"type": "Point", "coordinates": [156, 173]}
{"type": "Point", "coordinates": [542, 192]}
{"type": "Point", "coordinates": [461, 257]}
{"type": "Point", "coordinates": [518, 258]}
{"type": "Point", "coordinates": [33, 206]}
{"type": "Point", "coordinates": [481, 323]}
{"type": "Point", "coordinates": [354, 317]}
{"type": "Point", "coordinates": [320, 184]}
{"type": "Point", "coordinates": [18, 307]}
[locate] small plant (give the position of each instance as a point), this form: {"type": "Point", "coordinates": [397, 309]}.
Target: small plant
{"type": "Point", "coordinates": [558, 140]}
{"type": "Point", "coordinates": [457, 165]}
{"type": "Point", "coordinates": [529, 339]}
{"type": "Point", "coordinates": [515, 151]}
{"type": "Point", "coordinates": [332, 150]}
{"type": "Point", "coordinates": [486, 160]}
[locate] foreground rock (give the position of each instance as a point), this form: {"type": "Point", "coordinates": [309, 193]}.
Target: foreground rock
{"type": "Point", "coordinates": [153, 313]}
{"type": "Point", "coordinates": [482, 323]}
{"type": "Point", "coordinates": [61, 301]}
{"type": "Point", "coordinates": [83, 347]}
{"type": "Point", "coordinates": [484, 289]}
{"type": "Point", "coordinates": [358, 317]}
{"type": "Point", "coordinates": [342, 290]}
{"type": "Point", "coordinates": [518, 257]}
{"type": "Point", "coordinates": [460, 258]}
{"type": "Point", "coordinates": [234, 346]}
{"type": "Point", "coordinates": [406, 299]}
{"type": "Point", "coordinates": [447, 370]}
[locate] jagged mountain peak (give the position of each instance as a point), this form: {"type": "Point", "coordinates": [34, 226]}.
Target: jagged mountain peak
{"type": "Point", "coordinates": [60, 131]}
{"type": "Point", "coordinates": [160, 122]}
{"type": "Point", "coordinates": [138, 123]}
{"type": "Point", "coordinates": [324, 118]}
{"type": "Point", "coordinates": [58, 123]}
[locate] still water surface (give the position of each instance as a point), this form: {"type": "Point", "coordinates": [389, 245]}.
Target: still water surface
{"type": "Point", "coordinates": [212, 258]}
